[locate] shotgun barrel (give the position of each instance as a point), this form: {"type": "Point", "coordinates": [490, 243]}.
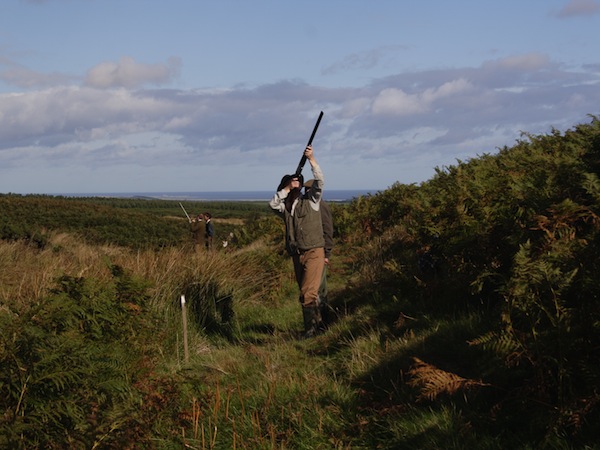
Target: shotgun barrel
{"type": "Point", "coordinates": [312, 136]}
{"type": "Point", "coordinates": [186, 214]}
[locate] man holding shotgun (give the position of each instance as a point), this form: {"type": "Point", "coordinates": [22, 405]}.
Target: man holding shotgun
{"type": "Point", "coordinates": [304, 236]}
{"type": "Point", "coordinates": [196, 228]}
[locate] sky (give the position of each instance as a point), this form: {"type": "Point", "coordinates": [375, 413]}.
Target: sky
{"type": "Point", "coordinates": [117, 96]}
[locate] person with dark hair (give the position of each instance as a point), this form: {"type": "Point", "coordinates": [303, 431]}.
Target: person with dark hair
{"type": "Point", "coordinates": [209, 231]}
{"type": "Point", "coordinates": [327, 221]}
{"type": "Point", "coordinates": [304, 237]}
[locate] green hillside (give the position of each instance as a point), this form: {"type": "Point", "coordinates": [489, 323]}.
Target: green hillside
{"type": "Point", "coordinates": [465, 314]}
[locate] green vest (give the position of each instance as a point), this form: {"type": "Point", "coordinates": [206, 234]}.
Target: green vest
{"type": "Point", "coordinates": [304, 229]}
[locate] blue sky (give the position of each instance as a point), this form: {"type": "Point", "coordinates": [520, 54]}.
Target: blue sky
{"type": "Point", "coordinates": [100, 96]}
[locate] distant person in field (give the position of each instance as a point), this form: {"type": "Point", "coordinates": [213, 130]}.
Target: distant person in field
{"type": "Point", "coordinates": [304, 237]}
{"type": "Point", "coordinates": [327, 221]}
{"type": "Point", "coordinates": [196, 227]}
{"type": "Point", "coordinates": [209, 231]}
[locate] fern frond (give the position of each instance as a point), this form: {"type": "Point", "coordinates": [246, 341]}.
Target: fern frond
{"type": "Point", "coordinates": [591, 184]}
{"type": "Point", "coordinates": [503, 344]}
{"type": "Point", "coordinates": [434, 382]}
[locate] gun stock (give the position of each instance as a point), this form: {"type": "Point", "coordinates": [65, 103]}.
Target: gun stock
{"type": "Point", "coordinates": [312, 136]}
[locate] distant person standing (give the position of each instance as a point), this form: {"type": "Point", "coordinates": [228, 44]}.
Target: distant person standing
{"type": "Point", "coordinates": [304, 237]}
{"type": "Point", "coordinates": [209, 231]}
{"type": "Point", "coordinates": [327, 221]}
{"type": "Point", "coordinates": [196, 228]}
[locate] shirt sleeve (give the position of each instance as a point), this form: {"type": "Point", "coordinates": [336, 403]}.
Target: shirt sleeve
{"type": "Point", "coordinates": [316, 191]}
{"type": "Point", "coordinates": [277, 203]}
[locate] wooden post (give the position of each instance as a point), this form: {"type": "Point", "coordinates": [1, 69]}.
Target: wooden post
{"type": "Point", "coordinates": [186, 352]}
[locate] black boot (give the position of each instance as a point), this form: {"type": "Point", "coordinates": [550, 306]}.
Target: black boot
{"type": "Point", "coordinates": [312, 321]}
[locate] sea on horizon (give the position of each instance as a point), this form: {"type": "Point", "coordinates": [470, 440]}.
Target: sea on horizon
{"type": "Point", "coordinates": [339, 195]}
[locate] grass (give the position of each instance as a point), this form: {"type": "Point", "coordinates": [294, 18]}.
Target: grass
{"type": "Point", "coordinates": [252, 382]}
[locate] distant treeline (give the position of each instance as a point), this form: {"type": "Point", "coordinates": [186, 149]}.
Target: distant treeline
{"type": "Point", "coordinates": [122, 221]}
{"type": "Point", "coordinates": [222, 209]}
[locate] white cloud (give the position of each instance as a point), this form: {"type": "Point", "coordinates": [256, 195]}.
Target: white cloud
{"type": "Point", "coordinates": [448, 89]}
{"type": "Point", "coordinates": [64, 114]}
{"type": "Point", "coordinates": [397, 102]}
{"type": "Point", "coordinates": [131, 74]}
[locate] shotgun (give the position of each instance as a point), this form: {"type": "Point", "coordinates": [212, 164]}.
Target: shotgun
{"type": "Point", "coordinates": [312, 136]}
{"type": "Point", "coordinates": [186, 214]}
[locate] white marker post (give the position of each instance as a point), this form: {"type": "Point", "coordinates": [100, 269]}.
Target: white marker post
{"type": "Point", "coordinates": [186, 352]}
